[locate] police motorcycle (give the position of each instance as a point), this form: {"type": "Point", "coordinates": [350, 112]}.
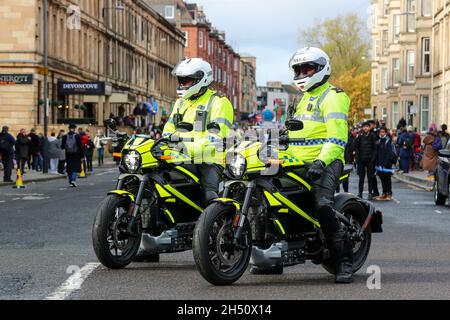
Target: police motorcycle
{"type": "Point", "coordinates": [155, 205]}
{"type": "Point", "coordinates": [266, 215]}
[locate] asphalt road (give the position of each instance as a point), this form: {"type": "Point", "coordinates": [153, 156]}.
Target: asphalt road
{"type": "Point", "coordinates": [45, 234]}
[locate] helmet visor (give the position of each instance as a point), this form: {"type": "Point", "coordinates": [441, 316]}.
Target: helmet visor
{"type": "Point", "coordinates": [305, 70]}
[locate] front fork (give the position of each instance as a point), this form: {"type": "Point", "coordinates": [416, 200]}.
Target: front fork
{"type": "Point", "coordinates": [241, 215]}
{"type": "Point", "coordinates": [135, 207]}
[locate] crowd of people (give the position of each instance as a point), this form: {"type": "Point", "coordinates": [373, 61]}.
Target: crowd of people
{"type": "Point", "coordinates": [378, 152]}
{"type": "Point", "coordinates": [26, 150]}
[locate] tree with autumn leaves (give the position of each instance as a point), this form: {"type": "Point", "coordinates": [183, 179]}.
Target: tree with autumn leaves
{"type": "Point", "coordinates": [346, 40]}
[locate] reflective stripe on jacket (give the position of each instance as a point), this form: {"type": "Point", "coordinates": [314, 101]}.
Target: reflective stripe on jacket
{"type": "Point", "coordinates": [324, 112]}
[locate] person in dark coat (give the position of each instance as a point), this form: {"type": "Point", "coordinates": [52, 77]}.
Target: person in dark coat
{"type": "Point", "coordinates": [374, 128]}
{"type": "Point", "coordinates": [22, 149]}
{"type": "Point", "coordinates": [34, 150]}
{"type": "Point", "coordinates": [62, 154]}
{"type": "Point", "coordinates": [365, 152]}
{"type": "Point", "coordinates": [385, 159]}
{"type": "Point", "coordinates": [7, 143]}
{"type": "Point", "coordinates": [349, 157]}
{"type": "Point", "coordinates": [406, 144]}
{"type": "Point", "coordinates": [74, 154]}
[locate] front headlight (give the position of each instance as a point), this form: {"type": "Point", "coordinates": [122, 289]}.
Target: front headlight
{"type": "Point", "coordinates": [237, 165]}
{"type": "Point", "coordinates": [132, 161]}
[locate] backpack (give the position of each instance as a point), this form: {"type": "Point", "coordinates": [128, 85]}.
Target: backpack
{"type": "Point", "coordinates": [4, 143]}
{"type": "Point", "coordinates": [71, 144]}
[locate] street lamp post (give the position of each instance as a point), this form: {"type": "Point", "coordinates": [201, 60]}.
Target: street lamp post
{"type": "Point", "coordinates": [45, 156]}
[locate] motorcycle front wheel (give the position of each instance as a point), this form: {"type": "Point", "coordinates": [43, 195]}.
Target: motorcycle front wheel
{"type": "Point", "coordinates": [218, 260]}
{"type": "Point", "coordinates": [114, 246]}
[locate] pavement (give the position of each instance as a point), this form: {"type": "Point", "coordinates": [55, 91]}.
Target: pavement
{"type": "Point", "coordinates": [45, 240]}
{"type": "Point", "coordinates": [35, 176]}
{"type": "Point", "coordinates": [419, 179]}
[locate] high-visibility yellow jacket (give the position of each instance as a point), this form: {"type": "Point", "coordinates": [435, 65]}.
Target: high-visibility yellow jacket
{"type": "Point", "coordinates": [324, 112]}
{"type": "Point", "coordinates": [208, 108]}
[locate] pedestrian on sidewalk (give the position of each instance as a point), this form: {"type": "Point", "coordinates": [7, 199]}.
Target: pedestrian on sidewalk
{"type": "Point", "coordinates": [432, 144]}
{"type": "Point", "coordinates": [406, 144]}
{"type": "Point", "coordinates": [22, 149]}
{"type": "Point", "coordinates": [74, 154]}
{"type": "Point", "coordinates": [374, 127]}
{"type": "Point", "coordinates": [61, 154]}
{"type": "Point", "coordinates": [89, 154]}
{"type": "Point", "coordinates": [365, 152]}
{"type": "Point", "coordinates": [53, 153]}
{"type": "Point", "coordinates": [34, 150]}
{"type": "Point", "coordinates": [7, 143]}
{"type": "Point", "coordinates": [417, 150]}
{"type": "Point", "coordinates": [99, 143]}
{"type": "Point", "coordinates": [386, 156]}
{"type": "Point", "coordinates": [443, 134]}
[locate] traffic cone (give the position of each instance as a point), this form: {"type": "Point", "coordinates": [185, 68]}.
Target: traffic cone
{"type": "Point", "coordinates": [19, 181]}
{"type": "Point", "coordinates": [82, 174]}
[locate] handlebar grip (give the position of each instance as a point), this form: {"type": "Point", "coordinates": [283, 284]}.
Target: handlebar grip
{"type": "Point", "coordinates": [182, 140]}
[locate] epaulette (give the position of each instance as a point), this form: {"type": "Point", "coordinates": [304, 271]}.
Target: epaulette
{"type": "Point", "coordinates": [338, 90]}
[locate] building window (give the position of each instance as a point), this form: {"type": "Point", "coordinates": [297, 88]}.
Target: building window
{"type": "Point", "coordinates": [209, 48]}
{"type": "Point", "coordinates": [424, 113]}
{"type": "Point", "coordinates": [169, 12]}
{"type": "Point", "coordinates": [426, 8]}
{"type": "Point", "coordinates": [375, 83]}
{"type": "Point", "coordinates": [395, 114]}
{"type": "Point", "coordinates": [385, 7]}
{"type": "Point", "coordinates": [376, 53]}
{"type": "Point", "coordinates": [385, 42]}
{"type": "Point", "coordinates": [396, 27]}
{"type": "Point", "coordinates": [384, 80]}
{"type": "Point", "coordinates": [384, 113]}
{"type": "Point", "coordinates": [411, 6]}
{"type": "Point", "coordinates": [200, 39]}
{"type": "Point", "coordinates": [186, 37]}
{"type": "Point", "coordinates": [395, 71]}
{"type": "Point", "coordinates": [425, 55]}
{"type": "Point", "coordinates": [410, 60]}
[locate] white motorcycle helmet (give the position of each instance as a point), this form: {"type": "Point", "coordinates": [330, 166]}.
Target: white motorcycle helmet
{"type": "Point", "coordinates": [308, 58]}
{"type": "Point", "coordinates": [196, 70]}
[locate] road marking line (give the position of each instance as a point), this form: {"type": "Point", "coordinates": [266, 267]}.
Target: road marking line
{"type": "Point", "coordinates": [398, 202]}
{"type": "Point", "coordinates": [437, 211]}
{"type": "Point", "coordinates": [2, 201]}
{"type": "Point", "coordinates": [73, 283]}
{"type": "Point", "coordinates": [431, 203]}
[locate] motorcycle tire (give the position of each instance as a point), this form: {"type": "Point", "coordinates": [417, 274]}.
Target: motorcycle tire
{"type": "Point", "coordinates": [101, 231]}
{"type": "Point", "coordinates": [201, 249]}
{"type": "Point", "coordinates": [361, 254]}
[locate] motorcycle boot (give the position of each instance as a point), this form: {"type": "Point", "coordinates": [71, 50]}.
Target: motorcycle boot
{"type": "Point", "coordinates": [342, 255]}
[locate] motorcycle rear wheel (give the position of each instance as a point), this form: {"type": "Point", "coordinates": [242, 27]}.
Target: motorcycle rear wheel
{"type": "Point", "coordinates": [217, 259]}
{"type": "Point", "coordinates": [360, 249]}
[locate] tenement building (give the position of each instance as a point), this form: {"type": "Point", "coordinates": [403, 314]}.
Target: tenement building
{"type": "Point", "coordinates": [441, 62]}
{"type": "Point", "coordinates": [402, 62]}
{"type": "Point", "coordinates": [105, 57]}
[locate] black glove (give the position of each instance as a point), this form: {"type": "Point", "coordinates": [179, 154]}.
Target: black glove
{"type": "Point", "coordinates": [316, 170]}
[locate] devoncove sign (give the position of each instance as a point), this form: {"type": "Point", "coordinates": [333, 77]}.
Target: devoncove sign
{"type": "Point", "coordinates": [84, 88]}
{"type": "Point", "coordinates": [12, 79]}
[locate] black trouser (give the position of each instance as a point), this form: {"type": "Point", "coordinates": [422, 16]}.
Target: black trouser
{"type": "Point", "coordinates": [7, 160]}
{"type": "Point", "coordinates": [375, 185]}
{"type": "Point", "coordinates": [323, 191]}
{"type": "Point", "coordinates": [363, 167]}
{"type": "Point", "coordinates": [89, 163]}
{"type": "Point", "coordinates": [210, 177]}
{"type": "Point", "coordinates": [61, 166]}
{"type": "Point", "coordinates": [386, 182]}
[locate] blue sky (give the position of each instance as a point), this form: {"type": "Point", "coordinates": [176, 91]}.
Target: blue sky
{"type": "Point", "coordinates": [269, 30]}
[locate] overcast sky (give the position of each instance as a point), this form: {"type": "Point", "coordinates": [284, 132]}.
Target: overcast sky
{"type": "Point", "coordinates": [269, 29]}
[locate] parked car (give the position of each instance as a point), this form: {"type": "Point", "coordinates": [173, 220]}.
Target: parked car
{"type": "Point", "coordinates": [441, 178]}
